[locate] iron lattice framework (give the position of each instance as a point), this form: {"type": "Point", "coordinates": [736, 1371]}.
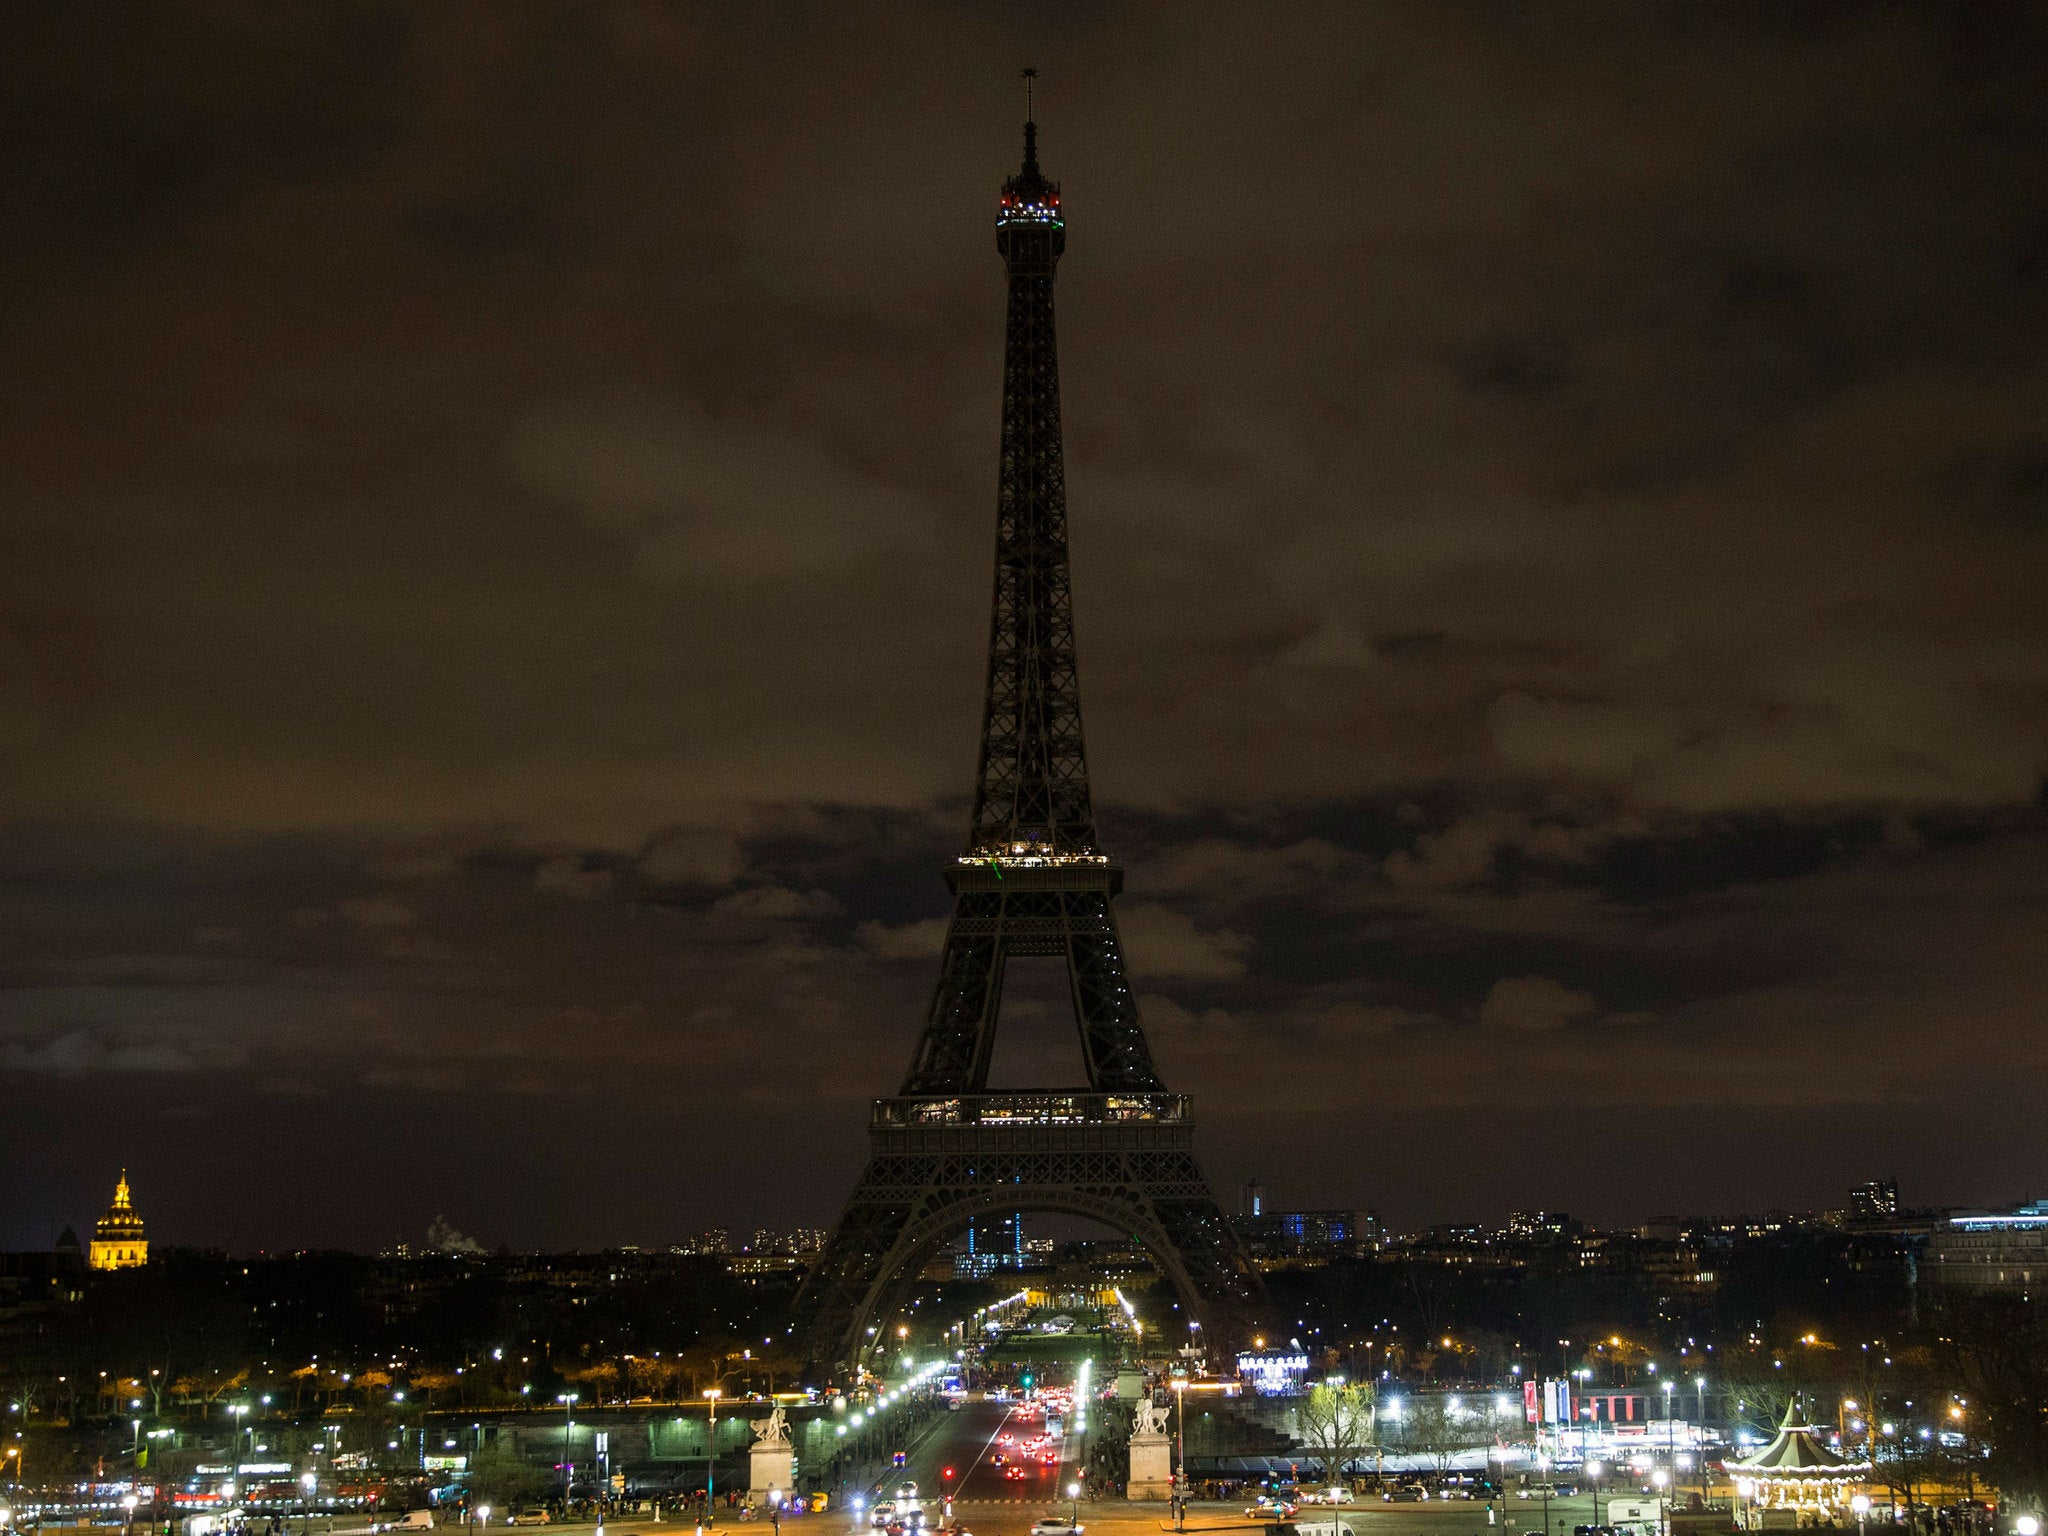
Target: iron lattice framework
{"type": "Point", "coordinates": [1031, 882]}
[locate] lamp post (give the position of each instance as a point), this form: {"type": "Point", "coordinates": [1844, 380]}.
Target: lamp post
{"type": "Point", "coordinates": [1860, 1505]}
{"type": "Point", "coordinates": [711, 1460]}
{"type": "Point", "coordinates": [1180, 1471]}
{"type": "Point", "coordinates": [1074, 1506]}
{"type": "Point", "coordinates": [1593, 1471]}
{"type": "Point", "coordinates": [306, 1482]}
{"type": "Point", "coordinates": [568, 1402]}
{"type": "Point", "coordinates": [1670, 1435]}
{"type": "Point", "coordinates": [128, 1513]}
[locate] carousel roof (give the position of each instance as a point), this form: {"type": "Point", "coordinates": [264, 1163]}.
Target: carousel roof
{"type": "Point", "coordinates": [1797, 1452]}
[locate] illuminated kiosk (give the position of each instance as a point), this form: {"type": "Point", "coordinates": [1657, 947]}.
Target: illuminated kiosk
{"type": "Point", "coordinates": [1796, 1472]}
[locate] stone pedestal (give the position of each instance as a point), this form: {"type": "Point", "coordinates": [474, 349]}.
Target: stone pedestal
{"type": "Point", "coordinates": [773, 1470]}
{"type": "Point", "coordinates": [1151, 1468]}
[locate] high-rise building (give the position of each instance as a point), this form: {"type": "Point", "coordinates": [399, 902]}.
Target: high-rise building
{"type": "Point", "coordinates": [1251, 1200]}
{"type": "Point", "coordinates": [118, 1241]}
{"type": "Point", "coordinates": [1877, 1200]}
{"type": "Point", "coordinates": [1000, 1236]}
{"type": "Point", "coordinates": [1540, 1226]}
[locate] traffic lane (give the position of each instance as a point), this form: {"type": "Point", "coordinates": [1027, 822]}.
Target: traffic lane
{"type": "Point", "coordinates": [1116, 1517]}
{"type": "Point", "coordinates": [980, 1476]}
{"type": "Point", "coordinates": [959, 1441]}
{"type": "Point", "coordinates": [1034, 1479]}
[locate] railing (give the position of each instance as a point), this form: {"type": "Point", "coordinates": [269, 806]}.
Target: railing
{"type": "Point", "coordinates": [1030, 1109]}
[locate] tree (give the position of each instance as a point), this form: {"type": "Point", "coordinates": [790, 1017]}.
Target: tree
{"type": "Point", "coordinates": [500, 1479]}
{"type": "Point", "coordinates": [1996, 1351]}
{"type": "Point", "coordinates": [1334, 1423]}
{"type": "Point", "coordinates": [1759, 1393]}
{"type": "Point", "coordinates": [1438, 1431]}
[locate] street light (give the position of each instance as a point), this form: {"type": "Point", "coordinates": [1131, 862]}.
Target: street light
{"type": "Point", "coordinates": [568, 1402]}
{"type": "Point", "coordinates": [711, 1460]}
{"type": "Point", "coordinates": [1074, 1509]}
{"type": "Point", "coordinates": [1670, 1430]}
{"type": "Point", "coordinates": [1180, 1471]}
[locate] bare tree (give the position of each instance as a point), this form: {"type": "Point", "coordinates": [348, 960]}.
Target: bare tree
{"type": "Point", "coordinates": [1438, 1432]}
{"type": "Point", "coordinates": [1334, 1424]}
{"type": "Point", "coordinates": [1996, 1352]}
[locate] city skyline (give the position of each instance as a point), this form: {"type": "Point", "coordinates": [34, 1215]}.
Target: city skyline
{"type": "Point", "coordinates": [492, 627]}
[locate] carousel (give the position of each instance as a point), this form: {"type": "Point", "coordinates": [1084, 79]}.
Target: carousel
{"type": "Point", "coordinates": [1797, 1472]}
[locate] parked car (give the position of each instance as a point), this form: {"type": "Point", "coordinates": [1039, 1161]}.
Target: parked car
{"type": "Point", "coordinates": [1055, 1525]}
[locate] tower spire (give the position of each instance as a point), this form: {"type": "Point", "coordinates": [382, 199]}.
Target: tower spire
{"type": "Point", "coordinates": [1030, 127]}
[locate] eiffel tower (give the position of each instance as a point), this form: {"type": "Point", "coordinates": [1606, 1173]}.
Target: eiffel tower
{"type": "Point", "coordinates": [1032, 881]}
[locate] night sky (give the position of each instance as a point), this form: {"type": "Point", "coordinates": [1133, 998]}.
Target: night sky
{"type": "Point", "coordinates": [494, 581]}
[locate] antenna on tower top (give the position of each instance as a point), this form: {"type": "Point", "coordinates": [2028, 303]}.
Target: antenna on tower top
{"type": "Point", "coordinates": [1030, 126]}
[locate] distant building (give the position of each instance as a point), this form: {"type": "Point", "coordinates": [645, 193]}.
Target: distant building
{"type": "Point", "coordinates": [29, 1281]}
{"type": "Point", "coordinates": [1876, 1201]}
{"type": "Point", "coordinates": [1990, 1251]}
{"type": "Point", "coordinates": [1251, 1200]}
{"type": "Point", "coordinates": [1284, 1235]}
{"type": "Point", "coordinates": [993, 1243]}
{"type": "Point", "coordinates": [1540, 1226]}
{"type": "Point", "coordinates": [119, 1242]}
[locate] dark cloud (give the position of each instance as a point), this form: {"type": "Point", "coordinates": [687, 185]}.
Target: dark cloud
{"type": "Point", "coordinates": [496, 568]}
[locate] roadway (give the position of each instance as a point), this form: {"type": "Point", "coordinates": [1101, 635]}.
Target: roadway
{"type": "Point", "coordinates": [968, 1441]}
{"type": "Point", "coordinates": [1011, 1515]}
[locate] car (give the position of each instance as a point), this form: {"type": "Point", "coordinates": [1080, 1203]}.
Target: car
{"type": "Point", "coordinates": [1339, 1496]}
{"type": "Point", "coordinates": [996, 1459]}
{"type": "Point", "coordinates": [1014, 1474]}
{"type": "Point", "coordinates": [1274, 1509]}
{"type": "Point", "coordinates": [1055, 1525]}
{"type": "Point", "coordinates": [1406, 1493]}
{"type": "Point", "coordinates": [528, 1517]}
{"type": "Point", "coordinates": [880, 1516]}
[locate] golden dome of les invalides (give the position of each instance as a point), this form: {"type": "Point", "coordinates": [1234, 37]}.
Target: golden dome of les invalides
{"type": "Point", "coordinates": [118, 1241]}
